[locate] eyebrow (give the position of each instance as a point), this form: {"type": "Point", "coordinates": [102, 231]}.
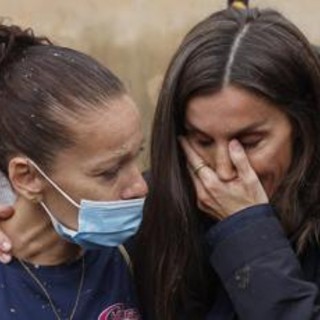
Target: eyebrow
{"type": "Point", "coordinates": [121, 157]}
{"type": "Point", "coordinates": [241, 132]}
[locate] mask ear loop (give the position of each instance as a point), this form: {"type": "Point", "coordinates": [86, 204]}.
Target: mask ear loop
{"type": "Point", "coordinates": [56, 224]}
{"type": "Point", "coordinates": [64, 194]}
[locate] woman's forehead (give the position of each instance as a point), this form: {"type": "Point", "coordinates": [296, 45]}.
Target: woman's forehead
{"type": "Point", "coordinates": [108, 132]}
{"type": "Point", "coordinates": [231, 102]}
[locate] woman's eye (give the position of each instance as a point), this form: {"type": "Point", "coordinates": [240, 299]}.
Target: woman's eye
{"type": "Point", "coordinates": [204, 142]}
{"type": "Point", "coordinates": [249, 144]}
{"type": "Point", "coordinates": [110, 174]}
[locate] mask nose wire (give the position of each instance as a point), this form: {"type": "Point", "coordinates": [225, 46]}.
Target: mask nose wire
{"type": "Point", "coordinates": [63, 193]}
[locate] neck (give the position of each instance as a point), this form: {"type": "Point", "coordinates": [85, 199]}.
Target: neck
{"type": "Point", "coordinates": [33, 237]}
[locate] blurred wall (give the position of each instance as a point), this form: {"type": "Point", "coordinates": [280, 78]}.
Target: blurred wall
{"type": "Point", "coordinates": [136, 38]}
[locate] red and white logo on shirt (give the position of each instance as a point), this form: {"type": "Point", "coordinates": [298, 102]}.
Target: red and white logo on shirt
{"type": "Point", "coordinates": [119, 311]}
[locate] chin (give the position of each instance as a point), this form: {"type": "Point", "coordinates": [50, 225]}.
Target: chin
{"type": "Point", "coordinates": [271, 190]}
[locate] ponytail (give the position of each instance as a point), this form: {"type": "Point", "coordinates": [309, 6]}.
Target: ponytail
{"type": "Point", "coordinates": [14, 40]}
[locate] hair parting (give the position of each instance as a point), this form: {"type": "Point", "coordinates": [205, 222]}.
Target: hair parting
{"type": "Point", "coordinates": [233, 52]}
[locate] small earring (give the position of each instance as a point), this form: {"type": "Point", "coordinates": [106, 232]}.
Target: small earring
{"type": "Point", "coordinates": [35, 199]}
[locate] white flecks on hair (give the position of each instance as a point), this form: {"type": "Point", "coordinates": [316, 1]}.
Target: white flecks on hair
{"type": "Point", "coordinates": [232, 54]}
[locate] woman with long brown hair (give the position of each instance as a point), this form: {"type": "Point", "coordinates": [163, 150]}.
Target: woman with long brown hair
{"type": "Point", "coordinates": [235, 175]}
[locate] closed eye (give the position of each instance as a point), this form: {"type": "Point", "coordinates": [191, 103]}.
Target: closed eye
{"type": "Point", "coordinates": [205, 143]}
{"type": "Point", "coordinates": [250, 142]}
{"type": "Point", "coordinates": [110, 174]}
{"type": "Point", "coordinates": [199, 138]}
{"type": "Point", "coordinates": [113, 172]}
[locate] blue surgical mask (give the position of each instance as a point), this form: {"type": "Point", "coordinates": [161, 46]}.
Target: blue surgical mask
{"type": "Point", "coordinates": [100, 223]}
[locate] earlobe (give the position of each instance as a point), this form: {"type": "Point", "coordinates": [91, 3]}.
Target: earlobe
{"type": "Point", "coordinates": [24, 179]}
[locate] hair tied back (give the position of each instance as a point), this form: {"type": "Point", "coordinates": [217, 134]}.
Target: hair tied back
{"type": "Point", "coordinates": [14, 40]}
{"type": "Point", "coordinates": [238, 4]}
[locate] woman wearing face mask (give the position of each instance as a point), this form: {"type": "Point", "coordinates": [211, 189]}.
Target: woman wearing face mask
{"type": "Point", "coordinates": [238, 116]}
{"type": "Point", "coordinates": [68, 132]}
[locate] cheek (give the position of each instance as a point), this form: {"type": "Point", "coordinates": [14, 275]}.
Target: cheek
{"type": "Point", "coordinates": [100, 190]}
{"type": "Point", "coordinates": [81, 186]}
{"type": "Point", "coordinates": [206, 154]}
{"type": "Point", "coordinates": [271, 165]}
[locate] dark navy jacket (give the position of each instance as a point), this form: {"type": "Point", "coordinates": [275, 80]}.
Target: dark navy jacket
{"type": "Point", "coordinates": [262, 277]}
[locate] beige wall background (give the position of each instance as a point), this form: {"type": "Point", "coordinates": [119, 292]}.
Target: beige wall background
{"type": "Point", "coordinates": [136, 38]}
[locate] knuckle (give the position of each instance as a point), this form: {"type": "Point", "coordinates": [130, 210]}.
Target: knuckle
{"type": "Point", "coordinates": [211, 185]}
{"type": "Point", "coordinates": [202, 198]}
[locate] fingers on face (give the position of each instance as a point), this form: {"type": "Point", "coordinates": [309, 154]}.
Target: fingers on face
{"type": "Point", "coordinates": [203, 178]}
{"type": "Point", "coordinates": [193, 158]}
{"type": "Point", "coordinates": [208, 176]}
{"type": "Point", "coordinates": [197, 164]}
{"type": "Point", "coordinates": [202, 194]}
{"type": "Point", "coordinates": [241, 161]}
{"type": "Point", "coordinates": [204, 201]}
{"type": "Point", "coordinates": [245, 171]}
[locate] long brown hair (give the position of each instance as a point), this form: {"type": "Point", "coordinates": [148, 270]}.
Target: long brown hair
{"type": "Point", "coordinates": [265, 54]}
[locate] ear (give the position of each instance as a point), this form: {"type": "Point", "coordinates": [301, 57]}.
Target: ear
{"type": "Point", "coordinates": [25, 180]}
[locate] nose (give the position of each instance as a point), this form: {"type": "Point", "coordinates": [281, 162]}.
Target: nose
{"type": "Point", "coordinates": [223, 165]}
{"type": "Point", "coordinates": [136, 185]}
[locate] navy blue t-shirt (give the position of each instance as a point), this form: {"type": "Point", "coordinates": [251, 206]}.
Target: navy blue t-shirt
{"type": "Point", "coordinates": [107, 293]}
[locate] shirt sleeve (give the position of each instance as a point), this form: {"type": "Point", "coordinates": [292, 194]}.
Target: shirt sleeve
{"type": "Point", "coordinates": [259, 269]}
{"type": "Point", "coordinates": [7, 195]}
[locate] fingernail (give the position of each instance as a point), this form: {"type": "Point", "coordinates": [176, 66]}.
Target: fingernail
{"type": "Point", "coordinates": [5, 258]}
{"type": "Point", "coordinates": [5, 246]}
{"type": "Point", "coordinates": [235, 145]}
